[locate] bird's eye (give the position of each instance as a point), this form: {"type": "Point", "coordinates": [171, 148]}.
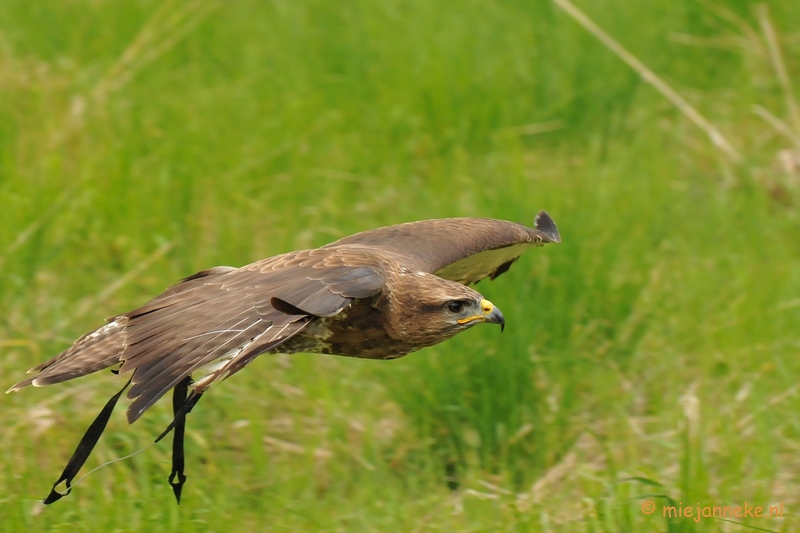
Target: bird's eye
{"type": "Point", "coordinates": [455, 306]}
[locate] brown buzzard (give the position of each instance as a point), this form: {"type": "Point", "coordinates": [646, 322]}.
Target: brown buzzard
{"type": "Point", "coordinates": [379, 294]}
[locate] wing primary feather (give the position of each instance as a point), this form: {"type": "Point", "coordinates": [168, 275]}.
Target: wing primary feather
{"type": "Point", "coordinates": [153, 390]}
{"type": "Point", "coordinates": [546, 225]}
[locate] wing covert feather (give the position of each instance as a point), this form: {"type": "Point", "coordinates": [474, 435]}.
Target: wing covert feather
{"type": "Point", "coordinates": [230, 316]}
{"type": "Point", "coordinates": [459, 249]}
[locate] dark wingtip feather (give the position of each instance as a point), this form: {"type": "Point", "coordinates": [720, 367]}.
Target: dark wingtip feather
{"type": "Point", "coordinates": [545, 224]}
{"type": "Point", "coordinates": [21, 384]}
{"type": "Point", "coordinates": [139, 405]}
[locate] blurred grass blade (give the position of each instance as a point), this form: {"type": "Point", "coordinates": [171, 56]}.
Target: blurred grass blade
{"type": "Point", "coordinates": [651, 77]}
{"type": "Point", "coordinates": [120, 282]}
{"type": "Point", "coordinates": [162, 31]}
{"type": "Point", "coordinates": [778, 64]}
{"type": "Point", "coordinates": [779, 125]}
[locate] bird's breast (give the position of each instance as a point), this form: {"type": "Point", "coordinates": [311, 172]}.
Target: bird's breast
{"type": "Point", "coordinates": [357, 331]}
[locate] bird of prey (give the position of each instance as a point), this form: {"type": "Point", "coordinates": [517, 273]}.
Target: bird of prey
{"type": "Point", "coordinates": [379, 294]}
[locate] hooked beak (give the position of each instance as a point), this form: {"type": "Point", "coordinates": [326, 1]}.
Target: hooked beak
{"type": "Point", "coordinates": [490, 313]}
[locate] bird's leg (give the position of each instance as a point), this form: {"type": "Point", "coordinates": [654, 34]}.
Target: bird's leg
{"type": "Point", "coordinates": [181, 406]}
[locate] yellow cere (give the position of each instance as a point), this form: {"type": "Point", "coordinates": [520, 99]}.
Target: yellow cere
{"type": "Point", "coordinates": [486, 306]}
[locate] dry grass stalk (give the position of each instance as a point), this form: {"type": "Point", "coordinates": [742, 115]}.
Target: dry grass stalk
{"type": "Point", "coordinates": [651, 77]}
{"type": "Point", "coordinates": [114, 287]}
{"type": "Point", "coordinates": [778, 64]}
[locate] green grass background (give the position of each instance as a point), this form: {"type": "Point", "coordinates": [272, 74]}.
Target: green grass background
{"type": "Point", "coordinates": [651, 356]}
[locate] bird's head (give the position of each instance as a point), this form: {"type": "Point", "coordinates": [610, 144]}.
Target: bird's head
{"type": "Point", "coordinates": [427, 309]}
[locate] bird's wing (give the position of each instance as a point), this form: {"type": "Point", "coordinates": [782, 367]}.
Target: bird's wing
{"type": "Point", "coordinates": [465, 250]}
{"type": "Point", "coordinates": [232, 318]}
{"type": "Point", "coordinates": [102, 347]}
{"type": "Point", "coordinates": [222, 317]}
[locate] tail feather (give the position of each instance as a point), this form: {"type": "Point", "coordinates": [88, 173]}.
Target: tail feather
{"type": "Point", "coordinates": [94, 351]}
